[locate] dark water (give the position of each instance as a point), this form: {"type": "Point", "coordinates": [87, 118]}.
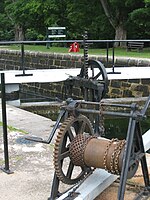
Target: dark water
{"type": "Point", "coordinates": [114, 127]}
{"type": "Point", "coordinates": [117, 128]}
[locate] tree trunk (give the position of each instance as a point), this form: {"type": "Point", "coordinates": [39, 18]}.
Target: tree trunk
{"type": "Point", "coordinates": [120, 34]}
{"type": "Point", "coordinates": [116, 22]}
{"type": "Point", "coordinates": [19, 33]}
{"type": "Point", "coordinates": [108, 12]}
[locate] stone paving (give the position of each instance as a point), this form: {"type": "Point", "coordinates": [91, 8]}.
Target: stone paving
{"type": "Point", "coordinates": [32, 165]}
{"type": "Point", "coordinates": [31, 162]}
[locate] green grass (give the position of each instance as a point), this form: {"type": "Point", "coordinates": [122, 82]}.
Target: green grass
{"type": "Point", "coordinates": [122, 52]}
{"type": "Point", "coordinates": [118, 51]}
{"type": "Point", "coordinates": [11, 128]}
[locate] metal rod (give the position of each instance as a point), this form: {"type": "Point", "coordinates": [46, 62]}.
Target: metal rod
{"type": "Point", "coordinates": [107, 51]}
{"type": "Point", "coordinates": [85, 37]}
{"type": "Point", "coordinates": [143, 159]}
{"type": "Point", "coordinates": [69, 41]}
{"type": "Point", "coordinates": [113, 58]}
{"type": "Point", "coordinates": [147, 103]}
{"type": "Point", "coordinates": [4, 120]}
{"type": "Point", "coordinates": [22, 62]}
{"type": "Point", "coordinates": [91, 111]}
{"type": "Point", "coordinates": [22, 58]}
{"type": "Point", "coordinates": [61, 115]}
{"type": "Point", "coordinates": [54, 190]}
{"type": "Point", "coordinates": [126, 159]}
{"type": "Point", "coordinates": [106, 104]}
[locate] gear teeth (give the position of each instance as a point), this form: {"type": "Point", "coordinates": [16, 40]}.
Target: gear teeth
{"type": "Point", "coordinates": [59, 139]}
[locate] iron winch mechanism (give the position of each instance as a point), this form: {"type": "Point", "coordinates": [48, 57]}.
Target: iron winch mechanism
{"type": "Point", "coordinates": [80, 144]}
{"type": "Point", "coordinates": [77, 142]}
{"type": "Point", "coordinates": [79, 149]}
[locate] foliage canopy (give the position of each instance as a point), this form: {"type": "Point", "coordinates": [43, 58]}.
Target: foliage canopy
{"type": "Point", "coordinates": [29, 19]}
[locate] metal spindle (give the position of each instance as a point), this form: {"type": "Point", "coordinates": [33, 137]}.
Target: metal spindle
{"type": "Point", "coordinates": [85, 37]}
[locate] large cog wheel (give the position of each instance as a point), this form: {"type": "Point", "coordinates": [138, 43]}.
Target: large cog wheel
{"type": "Point", "coordinates": [96, 71]}
{"type": "Point", "coordinates": [65, 170]}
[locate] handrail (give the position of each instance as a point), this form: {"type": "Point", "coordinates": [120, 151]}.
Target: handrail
{"type": "Point", "coordinates": [69, 41]}
{"type": "Point", "coordinates": [22, 43]}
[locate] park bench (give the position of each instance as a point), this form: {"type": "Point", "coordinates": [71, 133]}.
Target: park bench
{"type": "Point", "coordinates": [135, 46]}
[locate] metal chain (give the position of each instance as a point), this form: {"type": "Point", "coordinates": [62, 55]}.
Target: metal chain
{"type": "Point", "coordinates": [112, 167]}
{"type": "Point", "coordinates": [114, 161]}
{"type": "Point", "coordinates": [106, 153]}
{"type": "Point", "coordinates": [101, 120]}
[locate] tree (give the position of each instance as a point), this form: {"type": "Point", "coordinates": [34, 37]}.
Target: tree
{"type": "Point", "coordinates": [25, 15]}
{"type": "Point", "coordinates": [88, 15]}
{"type": "Point", "coordinates": [34, 15]}
{"type": "Point", "coordinates": [6, 32]}
{"type": "Point", "coordinates": [13, 10]}
{"type": "Point", "coordinates": [28, 19]}
{"type": "Point", "coordinates": [141, 18]}
{"type": "Point", "coordinates": [118, 12]}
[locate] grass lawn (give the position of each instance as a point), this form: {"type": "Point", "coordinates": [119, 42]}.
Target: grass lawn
{"type": "Point", "coordinates": [118, 51]}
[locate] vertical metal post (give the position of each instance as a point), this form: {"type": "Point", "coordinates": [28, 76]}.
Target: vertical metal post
{"type": "Point", "coordinates": [113, 61]}
{"type": "Point", "coordinates": [126, 159]}
{"type": "Point", "coordinates": [23, 63]}
{"type": "Point", "coordinates": [107, 53]}
{"type": "Point", "coordinates": [47, 43]}
{"type": "Point", "coordinates": [22, 58]}
{"type": "Point", "coordinates": [4, 120]}
{"type": "Point", "coordinates": [54, 190]}
{"type": "Point", "coordinates": [143, 159]}
{"type": "Point", "coordinates": [113, 57]}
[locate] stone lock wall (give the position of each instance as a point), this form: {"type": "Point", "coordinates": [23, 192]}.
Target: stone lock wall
{"type": "Point", "coordinates": [129, 88]}
{"type": "Point", "coordinates": [11, 60]}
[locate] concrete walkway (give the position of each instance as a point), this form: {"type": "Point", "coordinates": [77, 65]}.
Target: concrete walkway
{"type": "Point", "coordinates": [57, 75]}
{"type": "Point", "coordinates": [28, 122]}
{"type": "Point", "coordinates": [32, 163]}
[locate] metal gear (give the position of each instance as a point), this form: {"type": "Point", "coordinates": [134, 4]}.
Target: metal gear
{"type": "Point", "coordinates": [65, 170]}
{"type": "Point", "coordinates": [96, 71]}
